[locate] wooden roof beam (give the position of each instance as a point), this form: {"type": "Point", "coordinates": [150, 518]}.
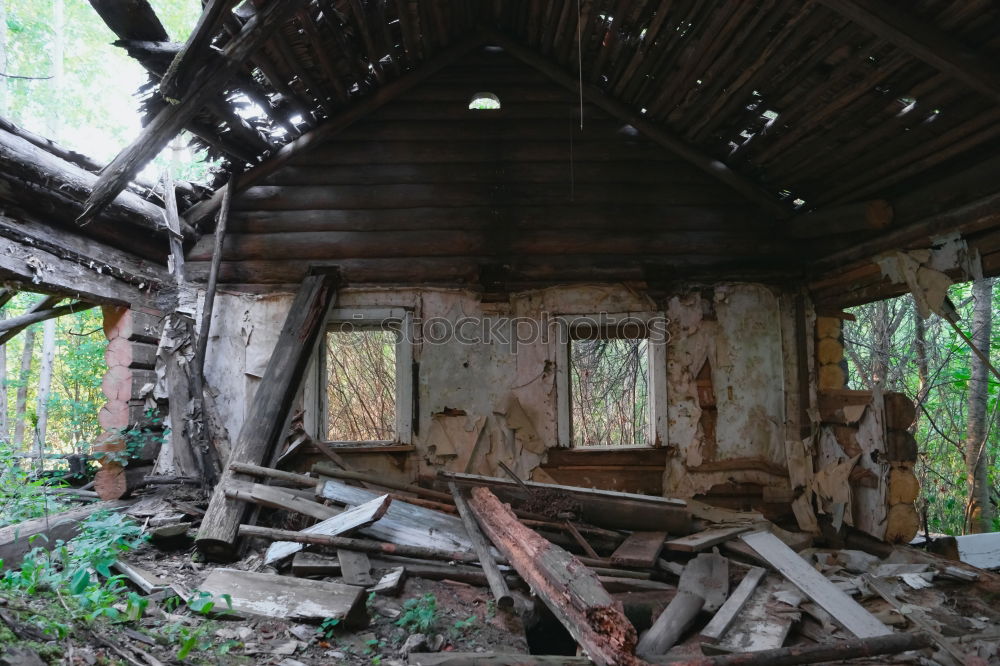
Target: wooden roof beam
{"type": "Point", "coordinates": [190, 58]}
{"type": "Point", "coordinates": [922, 40]}
{"type": "Point", "coordinates": [358, 110]}
{"type": "Point", "coordinates": [172, 119]}
{"type": "Point", "coordinates": [6, 295]}
{"type": "Point", "coordinates": [651, 130]}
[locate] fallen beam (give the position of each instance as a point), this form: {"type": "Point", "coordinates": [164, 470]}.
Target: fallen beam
{"type": "Point", "coordinates": [260, 433]}
{"type": "Point", "coordinates": [17, 539]}
{"type": "Point", "coordinates": [9, 328]}
{"type": "Point", "coordinates": [493, 576]}
{"type": "Point", "coordinates": [571, 591]}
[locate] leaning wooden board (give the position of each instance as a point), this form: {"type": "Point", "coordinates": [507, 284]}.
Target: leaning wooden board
{"type": "Point", "coordinates": [814, 585]}
{"type": "Point", "coordinates": [342, 523]}
{"type": "Point", "coordinates": [403, 523]}
{"type": "Point", "coordinates": [286, 597]}
{"type": "Point", "coordinates": [640, 549]}
{"type": "Point", "coordinates": [699, 541]}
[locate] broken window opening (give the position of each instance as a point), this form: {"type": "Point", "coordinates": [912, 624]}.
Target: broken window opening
{"type": "Point", "coordinates": [367, 380]}
{"type": "Point", "coordinates": [611, 381]}
{"type": "Point", "coordinates": [484, 101]}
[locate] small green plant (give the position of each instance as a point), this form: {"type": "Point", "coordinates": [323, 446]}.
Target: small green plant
{"type": "Point", "coordinates": [204, 603]}
{"type": "Point", "coordinates": [419, 614]}
{"type": "Point", "coordinates": [461, 625]}
{"type": "Point", "coordinates": [328, 627]}
{"type": "Point", "coordinates": [22, 496]}
{"type": "Point", "coordinates": [136, 438]}
{"type": "Point", "coordinates": [372, 645]}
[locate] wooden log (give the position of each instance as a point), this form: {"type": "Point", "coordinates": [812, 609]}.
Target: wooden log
{"type": "Point", "coordinates": [342, 523]}
{"type": "Point", "coordinates": [902, 523]}
{"type": "Point", "coordinates": [17, 539]}
{"type": "Point", "coordinates": [847, 612]}
{"type": "Point", "coordinates": [829, 350]}
{"type": "Point", "coordinates": [832, 377]}
{"type": "Point", "coordinates": [850, 218]}
{"type": "Point", "coordinates": [724, 617]}
{"type": "Point", "coordinates": [901, 447]}
{"type": "Point", "coordinates": [498, 587]}
{"type": "Point", "coordinates": [900, 411]}
{"type": "Point", "coordinates": [856, 648]}
{"type": "Point", "coordinates": [287, 598]}
{"type": "Point", "coordinates": [260, 471]}
{"type": "Point", "coordinates": [260, 432]}
{"type": "Point", "coordinates": [276, 498]}
{"type": "Point", "coordinates": [903, 485]}
{"type": "Point", "coordinates": [573, 594]}
{"type": "Point", "coordinates": [828, 327]}
{"type": "Point", "coordinates": [704, 584]}
{"type": "Point", "coordinates": [173, 118]}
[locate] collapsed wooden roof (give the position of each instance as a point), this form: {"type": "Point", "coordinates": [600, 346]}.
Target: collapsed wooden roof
{"type": "Point", "coordinates": [798, 106]}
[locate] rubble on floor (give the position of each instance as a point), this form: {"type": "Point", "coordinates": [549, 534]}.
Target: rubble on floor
{"type": "Point", "coordinates": [498, 571]}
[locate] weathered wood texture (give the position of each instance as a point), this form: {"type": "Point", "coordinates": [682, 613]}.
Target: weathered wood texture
{"type": "Point", "coordinates": [847, 612]}
{"type": "Point", "coordinates": [422, 179]}
{"type": "Point", "coordinates": [572, 592]}
{"type": "Point", "coordinates": [260, 432]}
{"type": "Point", "coordinates": [288, 598]}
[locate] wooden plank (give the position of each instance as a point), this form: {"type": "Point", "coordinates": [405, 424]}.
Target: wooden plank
{"type": "Point", "coordinates": [342, 523]}
{"type": "Point", "coordinates": [761, 626]}
{"type": "Point", "coordinates": [640, 549]}
{"type": "Point", "coordinates": [847, 612]}
{"type": "Point", "coordinates": [493, 576]}
{"type": "Point", "coordinates": [195, 51]}
{"type": "Point", "coordinates": [404, 523]}
{"type": "Point", "coordinates": [699, 541]}
{"type": "Point", "coordinates": [267, 412]}
{"type": "Point", "coordinates": [391, 583]}
{"type": "Point", "coordinates": [571, 591]}
{"type": "Point", "coordinates": [277, 498]}
{"type": "Point", "coordinates": [724, 617]}
{"type": "Point", "coordinates": [287, 598]}
{"type": "Point", "coordinates": [980, 550]}
{"type": "Point", "coordinates": [355, 568]}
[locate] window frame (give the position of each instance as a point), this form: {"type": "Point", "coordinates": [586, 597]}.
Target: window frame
{"type": "Point", "coordinates": [657, 417]}
{"type": "Point", "coordinates": [400, 319]}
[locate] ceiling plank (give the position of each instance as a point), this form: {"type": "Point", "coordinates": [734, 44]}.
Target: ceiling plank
{"type": "Point", "coordinates": [923, 41]}
{"type": "Point", "coordinates": [171, 120]}
{"type": "Point", "coordinates": [356, 112]}
{"type": "Point", "coordinates": [652, 131]}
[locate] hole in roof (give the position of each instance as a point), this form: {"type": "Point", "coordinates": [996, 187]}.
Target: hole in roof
{"type": "Point", "coordinates": [908, 104]}
{"type": "Point", "coordinates": [484, 101]}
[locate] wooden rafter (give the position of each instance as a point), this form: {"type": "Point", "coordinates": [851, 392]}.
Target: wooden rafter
{"type": "Point", "coordinates": [922, 40]}
{"type": "Point", "coordinates": [652, 131]}
{"type": "Point", "coordinates": [172, 119]}
{"type": "Point", "coordinates": [178, 76]}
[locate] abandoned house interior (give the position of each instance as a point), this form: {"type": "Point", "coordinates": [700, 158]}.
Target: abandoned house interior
{"type": "Point", "coordinates": [437, 214]}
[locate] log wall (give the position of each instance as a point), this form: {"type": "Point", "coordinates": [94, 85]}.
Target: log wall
{"type": "Point", "coordinates": [427, 191]}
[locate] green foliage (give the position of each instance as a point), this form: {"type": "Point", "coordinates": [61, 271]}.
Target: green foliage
{"type": "Point", "coordinates": [881, 347]}
{"type": "Point", "coordinates": [461, 626]}
{"type": "Point", "coordinates": [328, 627]}
{"type": "Point", "coordinates": [21, 496]}
{"type": "Point", "coordinates": [204, 603]}
{"type": "Point", "coordinates": [67, 570]}
{"type": "Point", "coordinates": [419, 614]}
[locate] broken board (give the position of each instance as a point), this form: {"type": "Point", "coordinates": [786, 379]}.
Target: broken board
{"type": "Point", "coordinates": [355, 568]}
{"type": "Point", "coordinates": [724, 618]}
{"type": "Point", "coordinates": [306, 564]}
{"type": "Point", "coordinates": [403, 523]}
{"type": "Point", "coordinates": [699, 541]}
{"type": "Point", "coordinates": [342, 523]}
{"type": "Point", "coordinates": [640, 549]}
{"type": "Point", "coordinates": [763, 623]}
{"type": "Point", "coordinates": [847, 612]}
{"type": "Point", "coordinates": [287, 598]}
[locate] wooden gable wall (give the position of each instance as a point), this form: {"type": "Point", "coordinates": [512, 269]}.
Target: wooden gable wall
{"type": "Point", "coordinates": [427, 191]}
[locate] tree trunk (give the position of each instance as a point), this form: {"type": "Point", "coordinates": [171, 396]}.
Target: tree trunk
{"type": "Point", "coordinates": [979, 513]}
{"type": "Point", "coordinates": [22, 389]}
{"type": "Point", "coordinates": [880, 350]}
{"type": "Point", "coordinates": [920, 351]}
{"type": "Point", "coordinates": [45, 384]}
{"type": "Point", "coordinates": [4, 426]}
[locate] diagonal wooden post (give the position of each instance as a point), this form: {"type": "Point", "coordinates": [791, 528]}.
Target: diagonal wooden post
{"type": "Point", "coordinates": [271, 403]}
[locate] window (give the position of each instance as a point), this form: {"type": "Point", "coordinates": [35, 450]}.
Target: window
{"type": "Point", "coordinates": [484, 101]}
{"type": "Point", "coordinates": [367, 364]}
{"type": "Point", "coordinates": [611, 374]}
